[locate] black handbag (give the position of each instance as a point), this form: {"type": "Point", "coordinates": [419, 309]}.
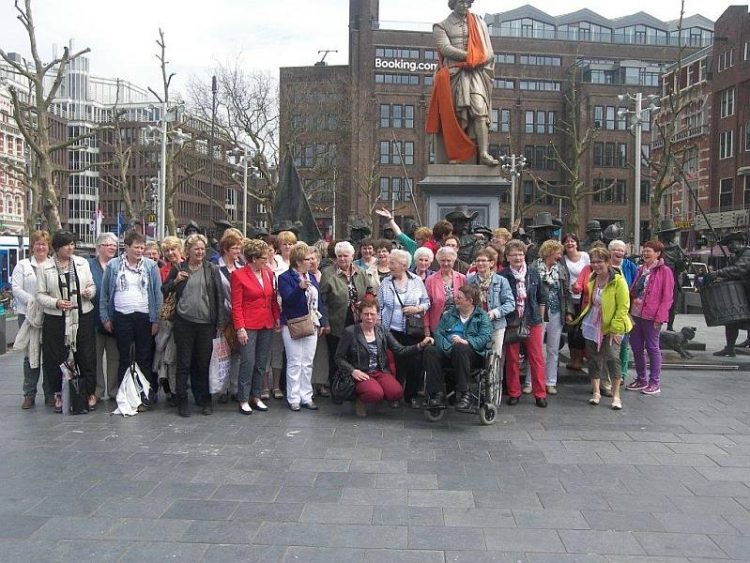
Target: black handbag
{"type": "Point", "coordinates": [414, 323]}
{"type": "Point", "coordinates": [77, 396]}
{"type": "Point", "coordinates": [343, 387]}
{"type": "Point", "coordinates": [517, 331]}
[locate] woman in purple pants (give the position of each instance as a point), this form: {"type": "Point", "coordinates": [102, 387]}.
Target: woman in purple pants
{"type": "Point", "coordinates": [650, 299]}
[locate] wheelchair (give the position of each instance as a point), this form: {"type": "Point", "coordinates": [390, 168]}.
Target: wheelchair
{"type": "Point", "coordinates": [485, 392]}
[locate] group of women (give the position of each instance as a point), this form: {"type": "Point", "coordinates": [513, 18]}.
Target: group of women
{"type": "Point", "coordinates": [370, 319]}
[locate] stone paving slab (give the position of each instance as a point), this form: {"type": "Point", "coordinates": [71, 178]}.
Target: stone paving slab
{"type": "Point", "coordinates": [666, 480]}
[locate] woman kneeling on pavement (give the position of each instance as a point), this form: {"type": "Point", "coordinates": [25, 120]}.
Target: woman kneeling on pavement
{"type": "Point", "coordinates": [461, 340]}
{"type": "Point", "coordinates": [362, 354]}
{"type": "Point", "coordinates": [604, 322]}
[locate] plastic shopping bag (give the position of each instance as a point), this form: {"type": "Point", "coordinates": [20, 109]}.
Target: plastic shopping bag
{"type": "Point", "coordinates": [220, 366]}
{"type": "Point", "coordinates": [133, 391]}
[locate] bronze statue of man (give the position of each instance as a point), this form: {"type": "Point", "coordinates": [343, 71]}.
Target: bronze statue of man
{"type": "Point", "coordinates": [461, 103]}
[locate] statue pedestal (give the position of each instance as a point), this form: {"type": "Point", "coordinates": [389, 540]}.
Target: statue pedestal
{"type": "Point", "coordinates": [471, 187]}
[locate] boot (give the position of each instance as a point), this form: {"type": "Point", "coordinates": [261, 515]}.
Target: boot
{"type": "Point", "coordinates": [483, 134]}
{"type": "Point", "coordinates": [183, 407]}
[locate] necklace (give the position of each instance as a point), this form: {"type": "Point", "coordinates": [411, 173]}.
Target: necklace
{"type": "Point", "coordinates": [601, 283]}
{"type": "Point", "coordinates": [194, 268]}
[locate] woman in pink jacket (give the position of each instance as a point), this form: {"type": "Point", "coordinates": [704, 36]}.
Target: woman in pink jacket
{"type": "Point", "coordinates": [650, 299]}
{"type": "Point", "coordinates": [441, 287]}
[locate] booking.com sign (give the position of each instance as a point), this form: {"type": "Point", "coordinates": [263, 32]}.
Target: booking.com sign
{"type": "Point", "coordinates": [403, 64]}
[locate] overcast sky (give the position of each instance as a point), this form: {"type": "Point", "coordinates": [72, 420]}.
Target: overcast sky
{"type": "Point", "coordinates": [265, 34]}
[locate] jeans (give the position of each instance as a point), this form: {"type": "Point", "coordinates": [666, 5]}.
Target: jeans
{"type": "Point", "coordinates": [299, 365]}
{"type": "Point", "coordinates": [554, 330]}
{"type": "Point", "coordinates": [381, 385]}
{"type": "Point", "coordinates": [134, 328]}
{"type": "Point", "coordinates": [253, 357]}
{"type": "Point", "coordinates": [194, 344]}
{"type": "Point", "coordinates": [535, 360]}
{"type": "Point", "coordinates": [107, 380]}
{"type": "Point", "coordinates": [644, 339]}
{"type": "Point", "coordinates": [31, 376]}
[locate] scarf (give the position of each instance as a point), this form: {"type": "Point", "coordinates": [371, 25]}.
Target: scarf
{"type": "Point", "coordinates": [520, 277]}
{"type": "Point", "coordinates": [69, 291]}
{"type": "Point", "coordinates": [484, 290]}
{"type": "Point", "coordinates": [122, 279]}
{"type": "Point", "coordinates": [551, 276]}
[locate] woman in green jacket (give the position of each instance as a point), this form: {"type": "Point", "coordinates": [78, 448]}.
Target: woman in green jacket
{"type": "Point", "coordinates": [604, 321]}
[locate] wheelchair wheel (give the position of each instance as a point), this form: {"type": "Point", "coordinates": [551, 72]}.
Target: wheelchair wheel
{"type": "Point", "coordinates": [493, 384]}
{"type": "Point", "coordinates": [434, 415]}
{"type": "Point", "coordinates": [488, 414]}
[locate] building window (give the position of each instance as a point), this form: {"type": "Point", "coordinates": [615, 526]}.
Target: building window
{"type": "Point", "coordinates": [528, 191]}
{"type": "Point", "coordinates": [396, 116]}
{"type": "Point", "coordinates": [598, 117]}
{"type": "Point", "coordinates": [747, 135]}
{"type": "Point", "coordinates": [396, 152]}
{"type": "Point", "coordinates": [645, 191]}
{"type": "Point", "coordinates": [540, 60]}
{"type": "Point", "coordinates": [727, 102]}
{"type": "Point", "coordinates": [540, 85]}
{"type": "Point", "coordinates": [385, 193]}
{"type": "Point", "coordinates": [609, 191]}
{"type": "Point", "coordinates": [503, 84]}
{"type": "Point", "coordinates": [645, 155]}
{"type": "Point", "coordinates": [622, 155]}
{"type": "Point", "coordinates": [746, 195]}
{"type": "Point", "coordinates": [500, 121]}
{"type": "Point", "coordinates": [610, 122]}
{"type": "Point", "coordinates": [725, 193]}
{"type": "Point", "coordinates": [396, 53]}
{"type": "Point", "coordinates": [431, 55]}
{"type": "Point", "coordinates": [726, 60]}
{"type": "Point", "coordinates": [400, 79]}
{"type": "Point", "coordinates": [726, 150]}
{"type": "Point", "coordinates": [505, 58]}
{"type": "Point", "coordinates": [540, 157]}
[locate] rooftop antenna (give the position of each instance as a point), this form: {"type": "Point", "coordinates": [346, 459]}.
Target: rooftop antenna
{"type": "Point", "coordinates": [322, 62]}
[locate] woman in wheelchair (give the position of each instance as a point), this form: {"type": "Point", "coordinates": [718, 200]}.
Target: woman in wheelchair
{"type": "Point", "coordinates": [362, 353]}
{"type": "Point", "coordinates": [461, 340]}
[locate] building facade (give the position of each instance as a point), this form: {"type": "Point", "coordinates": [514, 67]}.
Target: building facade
{"type": "Point", "coordinates": [539, 60]}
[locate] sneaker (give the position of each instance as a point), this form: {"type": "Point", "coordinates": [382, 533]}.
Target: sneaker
{"type": "Point", "coordinates": [551, 389]}
{"type": "Point", "coordinates": [636, 385]}
{"type": "Point", "coordinates": [526, 390]}
{"type": "Point", "coordinates": [294, 407]}
{"type": "Point", "coordinates": [725, 352]}
{"type": "Point", "coordinates": [606, 391]}
{"type": "Point", "coordinates": [310, 406]}
{"type": "Point", "coordinates": [652, 389]}
{"type": "Point", "coordinates": [265, 394]}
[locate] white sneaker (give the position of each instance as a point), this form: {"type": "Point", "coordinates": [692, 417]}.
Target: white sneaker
{"type": "Point", "coordinates": [526, 390]}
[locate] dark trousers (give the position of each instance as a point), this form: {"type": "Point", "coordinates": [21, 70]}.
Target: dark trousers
{"type": "Point", "coordinates": [333, 344]}
{"type": "Point", "coordinates": [461, 357]}
{"type": "Point", "coordinates": [134, 329]}
{"type": "Point", "coordinates": [194, 343]}
{"type": "Point", "coordinates": [31, 375]}
{"type": "Point", "coordinates": [409, 368]}
{"type": "Point", "coordinates": [55, 351]}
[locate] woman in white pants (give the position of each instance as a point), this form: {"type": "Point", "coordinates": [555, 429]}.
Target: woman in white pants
{"type": "Point", "coordinates": [300, 300]}
{"type": "Point", "coordinates": [560, 308]}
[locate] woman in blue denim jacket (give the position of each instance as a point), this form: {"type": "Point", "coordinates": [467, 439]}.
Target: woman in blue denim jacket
{"type": "Point", "coordinates": [495, 293]}
{"type": "Point", "coordinates": [530, 303]}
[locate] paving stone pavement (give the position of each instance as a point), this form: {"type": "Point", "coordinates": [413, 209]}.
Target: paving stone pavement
{"type": "Point", "coordinates": [665, 480]}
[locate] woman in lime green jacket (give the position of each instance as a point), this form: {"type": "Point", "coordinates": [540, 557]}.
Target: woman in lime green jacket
{"type": "Point", "coordinates": [604, 321]}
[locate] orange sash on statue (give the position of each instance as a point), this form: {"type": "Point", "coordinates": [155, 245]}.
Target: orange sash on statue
{"type": "Point", "coordinates": [441, 115]}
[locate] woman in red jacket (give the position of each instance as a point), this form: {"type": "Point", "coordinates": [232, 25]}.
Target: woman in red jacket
{"type": "Point", "coordinates": [255, 313]}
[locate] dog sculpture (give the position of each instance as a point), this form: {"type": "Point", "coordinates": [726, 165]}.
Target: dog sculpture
{"type": "Point", "coordinates": [676, 340]}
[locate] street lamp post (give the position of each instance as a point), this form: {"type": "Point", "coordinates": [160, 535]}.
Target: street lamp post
{"type": "Point", "coordinates": [636, 126]}
{"type": "Point", "coordinates": [513, 164]}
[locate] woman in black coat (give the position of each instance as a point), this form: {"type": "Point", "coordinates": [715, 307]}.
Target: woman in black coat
{"type": "Point", "coordinates": [362, 354]}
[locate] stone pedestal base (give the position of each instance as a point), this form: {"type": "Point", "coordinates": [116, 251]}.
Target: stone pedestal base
{"type": "Point", "coordinates": [470, 187]}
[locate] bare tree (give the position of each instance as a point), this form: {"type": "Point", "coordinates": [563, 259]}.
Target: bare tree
{"type": "Point", "coordinates": [571, 158]}
{"type": "Point", "coordinates": [666, 164]}
{"type": "Point", "coordinates": [32, 116]}
{"type": "Point", "coordinates": [247, 115]}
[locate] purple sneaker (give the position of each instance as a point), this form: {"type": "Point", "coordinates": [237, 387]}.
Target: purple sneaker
{"type": "Point", "coordinates": [636, 385]}
{"type": "Point", "coordinates": [652, 389]}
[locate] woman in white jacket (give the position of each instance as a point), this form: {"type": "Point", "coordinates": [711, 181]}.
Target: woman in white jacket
{"type": "Point", "coordinates": [24, 284]}
{"type": "Point", "coordinates": [65, 289]}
